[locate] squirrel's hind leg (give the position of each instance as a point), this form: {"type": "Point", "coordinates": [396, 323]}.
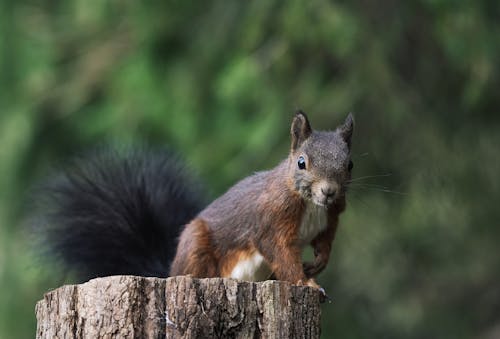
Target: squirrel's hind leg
{"type": "Point", "coordinates": [195, 254]}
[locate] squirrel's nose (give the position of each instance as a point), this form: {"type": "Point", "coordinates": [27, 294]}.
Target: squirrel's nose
{"type": "Point", "coordinates": [328, 192]}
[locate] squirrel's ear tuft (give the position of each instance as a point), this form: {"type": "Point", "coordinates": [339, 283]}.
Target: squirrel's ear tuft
{"type": "Point", "coordinates": [301, 130]}
{"type": "Point", "coordinates": [347, 128]}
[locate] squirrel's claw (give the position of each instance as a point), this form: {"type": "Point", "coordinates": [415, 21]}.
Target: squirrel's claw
{"type": "Point", "coordinates": [323, 297]}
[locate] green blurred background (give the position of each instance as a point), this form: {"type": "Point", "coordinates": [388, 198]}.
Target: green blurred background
{"type": "Point", "coordinates": [416, 255]}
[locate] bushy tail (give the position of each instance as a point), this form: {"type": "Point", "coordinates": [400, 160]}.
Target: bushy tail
{"type": "Point", "coordinates": [117, 212]}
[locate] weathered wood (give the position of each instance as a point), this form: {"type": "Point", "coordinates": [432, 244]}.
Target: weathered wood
{"type": "Point", "coordinates": [179, 307]}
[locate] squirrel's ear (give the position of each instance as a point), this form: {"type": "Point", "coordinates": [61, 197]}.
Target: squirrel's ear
{"type": "Point", "coordinates": [346, 129]}
{"type": "Point", "coordinates": [301, 130]}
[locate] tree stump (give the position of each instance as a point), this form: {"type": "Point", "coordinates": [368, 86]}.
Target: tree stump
{"type": "Point", "coordinates": [179, 307]}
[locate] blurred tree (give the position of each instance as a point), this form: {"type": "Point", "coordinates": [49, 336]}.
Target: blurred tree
{"type": "Point", "coordinates": [416, 255]}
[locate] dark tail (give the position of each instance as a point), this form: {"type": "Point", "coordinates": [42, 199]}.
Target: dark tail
{"type": "Point", "coordinates": [117, 213]}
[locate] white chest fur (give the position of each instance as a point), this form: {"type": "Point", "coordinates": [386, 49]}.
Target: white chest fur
{"type": "Point", "coordinates": [313, 222]}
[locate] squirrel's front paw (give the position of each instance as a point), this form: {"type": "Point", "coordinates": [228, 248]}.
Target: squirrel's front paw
{"type": "Point", "coordinates": [308, 282]}
{"type": "Point", "coordinates": [312, 283]}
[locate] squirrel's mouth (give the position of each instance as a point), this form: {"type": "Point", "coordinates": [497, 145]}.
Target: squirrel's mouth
{"type": "Point", "coordinates": [322, 201]}
{"type": "Point", "coordinates": [320, 204]}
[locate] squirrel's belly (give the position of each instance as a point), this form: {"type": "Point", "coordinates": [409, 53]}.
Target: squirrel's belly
{"type": "Point", "coordinates": [252, 268]}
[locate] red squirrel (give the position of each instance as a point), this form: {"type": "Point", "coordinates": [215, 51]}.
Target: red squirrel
{"type": "Point", "coordinates": [261, 225]}
{"type": "Point", "coordinates": [121, 213]}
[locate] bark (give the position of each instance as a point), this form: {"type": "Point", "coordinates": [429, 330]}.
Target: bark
{"type": "Point", "coordinates": [179, 307]}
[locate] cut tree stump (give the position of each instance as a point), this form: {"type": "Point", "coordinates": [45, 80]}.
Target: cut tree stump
{"type": "Point", "coordinates": [179, 307]}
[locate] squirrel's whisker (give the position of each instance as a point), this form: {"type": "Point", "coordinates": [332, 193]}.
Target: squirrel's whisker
{"type": "Point", "coordinates": [358, 184]}
{"type": "Point", "coordinates": [360, 155]}
{"type": "Point", "coordinates": [370, 176]}
{"type": "Point", "coordinates": [383, 190]}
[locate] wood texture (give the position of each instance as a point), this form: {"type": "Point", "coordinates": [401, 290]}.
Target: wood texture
{"type": "Point", "coordinates": [179, 307]}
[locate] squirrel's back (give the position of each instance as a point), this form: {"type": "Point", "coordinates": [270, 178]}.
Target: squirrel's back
{"type": "Point", "coordinates": [115, 212]}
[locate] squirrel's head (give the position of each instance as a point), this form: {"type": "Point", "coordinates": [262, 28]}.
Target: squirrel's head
{"type": "Point", "coordinates": [320, 161]}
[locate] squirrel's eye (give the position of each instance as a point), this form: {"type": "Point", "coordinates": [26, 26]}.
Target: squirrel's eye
{"type": "Point", "coordinates": [350, 166]}
{"type": "Point", "coordinates": [301, 163]}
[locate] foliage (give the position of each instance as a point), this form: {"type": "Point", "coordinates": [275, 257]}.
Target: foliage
{"type": "Point", "coordinates": [219, 80]}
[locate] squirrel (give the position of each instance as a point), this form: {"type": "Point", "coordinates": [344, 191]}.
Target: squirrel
{"type": "Point", "coordinates": [140, 213]}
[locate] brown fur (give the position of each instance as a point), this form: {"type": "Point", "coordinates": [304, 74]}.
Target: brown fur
{"type": "Point", "coordinates": [195, 253]}
{"type": "Point", "coordinates": [279, 242]}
